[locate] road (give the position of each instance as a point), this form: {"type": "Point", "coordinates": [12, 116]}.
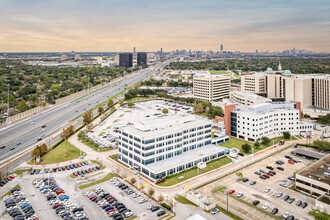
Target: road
{"type": "Point", "coordinates": [27, 131]}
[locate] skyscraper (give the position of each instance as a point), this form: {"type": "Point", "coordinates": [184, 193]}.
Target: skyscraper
{"type": "Point", "coordinates": [126, 60]}
{"type": "Point", "coordinates": [133, 49]}
{"type": "Point", "coordinates": [221, 48]}
{"type": "Point", "coordinates": [161, 50]}
{"type": "Point", "coordinates": [142, 58]}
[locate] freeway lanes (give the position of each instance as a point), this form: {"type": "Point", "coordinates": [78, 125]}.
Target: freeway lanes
{"type": "Point", "coordinates": [27, 131]}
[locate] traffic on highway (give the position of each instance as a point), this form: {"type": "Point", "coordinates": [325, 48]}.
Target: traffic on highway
{"type": "Point", "coordinates": [36, 129]}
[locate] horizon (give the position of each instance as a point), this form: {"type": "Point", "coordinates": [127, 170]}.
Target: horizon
{"type": "Point", "coordinates": [49, 26]}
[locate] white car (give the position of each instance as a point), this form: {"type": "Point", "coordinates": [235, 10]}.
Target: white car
{"type": "Point", "coordinates": [279, 194]}
{"type": "Point", "coordinates": [143, 200]}
{"type": "Point", "coordinates": [239, 195]}
{"type": "Point", "coordinates": [151, 206]}
{"type": "Point", "coordinates": [285, 215]}
{"type": "Point", "coordinates": [266, 206]}
{"type": "Point", "coordinates": [267, 190]}
{"type": "Point", "coordinates": [214, 211]}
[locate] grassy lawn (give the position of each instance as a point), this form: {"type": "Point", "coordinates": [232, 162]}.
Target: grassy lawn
{"type": "Point", "coordinates": [183, 200]}
{"type": "Point", "coordinates": [237, 143]}
{"type": "Point", "coordinates": [18, 172]}
{"type": "Point", "coordinates": [132, 217]}
{"type": "Point", "coordinates": [106, 178]}
{"type": "Point", "coordinates": [64, 151]}
{"type": "Point", "coordinates": [9, 192]}
{"type": "Point", "coordinates": [219, 72]}
{"type": "Point", "coordinates": [193, 172]}
{"type": "Point", "coordinates": [114, 156]}
{"type": "Point", "coordinates": [221, 189]}
{"type": "Point", "coordinates": [319, 215]}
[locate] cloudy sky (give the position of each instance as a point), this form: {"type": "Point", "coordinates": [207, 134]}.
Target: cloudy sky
{"type": "Point", "coordinates": [119, 25]}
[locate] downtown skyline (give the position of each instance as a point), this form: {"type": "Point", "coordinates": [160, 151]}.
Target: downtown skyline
{"type": "Point", "coordinates": [52, 26]}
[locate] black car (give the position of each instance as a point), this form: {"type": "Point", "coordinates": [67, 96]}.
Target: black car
{"type": "Point", "coordinates": [155, 208]}
{"type": "Point", "coordinates": [280, 168]}
{"type": "Point", "coordinates": [274, 211]}
{"type": "Point", "coordinates": [256, 202]}
{"type": "Point", "coordinates": [43, 126]}
{"type": "Point", "coordinates": [291, 178]}
{"type": "Point", "coordinates": [245, 180]}
{"type": "Point", "coordinates": [161, 213]}
{"type": "Point", "coordinates": [13, 148]}
{"type": "Point", "coordinates": [257, 172]}
{"type": "Point", "coordinates": [285, 198]}
{"type": "Point", "coordinates": [39, 139]}
{"type": "Point", "coordinates": [262, 177]}
{"type": "Point", "coordinates": [2, 147]}
{"type": "Point", "coordinates": [32, 172]}
{"type": "Point", "coordinates": [304, 205]}
{"type": "Point", "coordinates": [291, 217]}
{"type": "Point", "coordinates": [286, 156]}
{"type": "Point", "coordinates": [253, 182]}
{"type": "Point", "coordinates": [273, 172]}
{"type": "Point", "coordinates": [241, 154]}
{"type": "Point", "coordinates": [269, 167]}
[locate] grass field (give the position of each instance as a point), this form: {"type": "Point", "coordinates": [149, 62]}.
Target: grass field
{"type": "Point", "coordinates": [237, 143]}
{"type": "Point", "coordinates": [64, 151]}
{"type": "Point", "coordinates": [183, 200]}
{"type": "Point", "coordinates": [106, 178]}
{"type": "Point", "coordinates": [192, 173]}
{"type": "Point", "coordinates": [219, 72]}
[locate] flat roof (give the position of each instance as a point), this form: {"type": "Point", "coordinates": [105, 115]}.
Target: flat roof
{"type": "Point", "coordinates": [318, 169]}
{"type": "Point", "coordinates": [196, 217]}
{"type": "Point", "coordinates": [185, 157]}
{"type": "Point", "coordinates": [252, 96]}
{"type": "Point", "coordinates": [308, 154]}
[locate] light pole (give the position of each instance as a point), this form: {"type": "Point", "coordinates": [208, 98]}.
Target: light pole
{"type": "Point", "coordinates": [8, 106]}
{"type": "Point", "coordinates": [227, 199]}
{"type": "Point", "coordinates": [88, 82]}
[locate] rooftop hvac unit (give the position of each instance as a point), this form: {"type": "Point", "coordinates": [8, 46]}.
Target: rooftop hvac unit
{"type": "Point", "coordinates": [326, 174]}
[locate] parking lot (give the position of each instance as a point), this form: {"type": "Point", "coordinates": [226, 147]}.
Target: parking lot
{"type": "Point", "coordinates": [257, 191]}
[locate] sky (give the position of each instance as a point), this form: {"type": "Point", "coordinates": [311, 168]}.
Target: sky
{"type": "Point", "coordinates": [148, 25]}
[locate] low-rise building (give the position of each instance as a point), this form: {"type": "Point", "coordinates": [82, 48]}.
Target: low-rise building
{"type": "Point", "coordinates": [248, 98]}
{"type": "Point", "coordinates": [267, 119]}
{"type": "Point", "coordinates": [161, 145]}
{"type": "Point", "coordinates": [315, 178]}
{"type": "Point", "coordinates": [211, 88]}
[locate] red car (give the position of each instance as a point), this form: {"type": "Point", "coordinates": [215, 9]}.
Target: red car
{"type": "Point", "coordinates": [266, 176]}
{"type": "Point", "coordinates": [92, 197]}
{"type": "Point", "coordinates": [108, 199]}
{"type": "Point", "coordinates": [59, 192]}
{"type": "Point", "coordinates": [91, 131]}
{"type": "Point", "coordinates": [290, 162]}
{"type": "Point", "coordinates": [90, 170]}
{"type": "Point", "coordinates": [231, 191]}
{"type": "Point", "coordinates": [75, 173]}
{"type": "Point", "coordinates": [270, 174]}
{"type": "Point", "coordinates": [11, 177]}
{"type": "Point", "coordinates": [79, 165]}
{"type": "Point", "coordinates": [111, 210]}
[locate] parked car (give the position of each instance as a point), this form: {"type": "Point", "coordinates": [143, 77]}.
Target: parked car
{"type": "Point", "coordinates": [280, 168]}
{"type": "Point", "coordinates": [214, 211]}
{"type": "Point", "coordinates": [274, 211]}
{"type": "Point", "coordinates": [253, 182]}
{"type": "Point", "coordinates": [239, 195]}
{"type": "Point", "coordinates": [270, 167]}
{"type": "Point", "coordinates": [256, 202]}
{"type": "Point", "coordinates": [231, 191]}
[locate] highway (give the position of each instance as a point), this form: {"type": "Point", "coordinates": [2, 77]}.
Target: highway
{"type": "Point", "coordinates": [24, 134]}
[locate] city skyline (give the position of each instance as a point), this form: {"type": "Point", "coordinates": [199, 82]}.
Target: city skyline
{"type": "Point", "coordinates": [53, 26]}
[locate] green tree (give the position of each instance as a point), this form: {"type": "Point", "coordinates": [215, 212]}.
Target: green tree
{"type": "Point", "coordinates": [100, 110]}
{"type": "Point", "coordinates": [133, 181]}
{"type": "Point", "coordinates": [257, 145]}
{"type": "Point", "coordinates": [22, 106]}
{"type": "Point", "coordinates": [36, 152]}
{"type": "Point", "coordinates": [286, 134]}
{"type": "Point", "coordinates": [110, 103]}
{"type": "Point", "coordinates": [43, 148]}
{"type": "Point", "coordinates": [160, 198]}
{"type": "Point", "coordinates": [246, 148]}
{"type": "Point", "coordinates": [151, 191]}
{"type": "Point", "coordinates": [130, 104]}
{"type": "Point", "coordinates": [265, 140]}
{"type": "Point", "coordinates": [88, 117]}
{"type": "Point", "coordinates": [240, 175]}
{"type": "Point", "coordinates": [165, 111]}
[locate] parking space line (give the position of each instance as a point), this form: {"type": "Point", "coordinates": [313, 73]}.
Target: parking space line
{"type": "Point", "coordinates": [187, 186]}
{"type": "Point", "coordinates": [143, 185]}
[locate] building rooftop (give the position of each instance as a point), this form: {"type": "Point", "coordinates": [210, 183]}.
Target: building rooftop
{"type": "Point", "coordinates": [252, 96]}
{"type": "Point", "coordinates": [185, 157]}
{"type": "Point", "coordinates": [265, 107]}
{"type": "Point", "coordinates": [320, 170]}
{"type": "Point", "coordinates": [215, 76]}
{"type": "Point", "coordinates": [307, 153]}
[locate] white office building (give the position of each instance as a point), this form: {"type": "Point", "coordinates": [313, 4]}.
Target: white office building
{"type": "Point", "coordinates": [268, 119]}
{"type": "Point", "coordinates": [161, 145]}
{"type": "Point", "coordinates": [211, 88]}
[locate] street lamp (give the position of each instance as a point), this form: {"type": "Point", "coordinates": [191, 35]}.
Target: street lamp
{"type": "Point", "coordinates": [227, 199]}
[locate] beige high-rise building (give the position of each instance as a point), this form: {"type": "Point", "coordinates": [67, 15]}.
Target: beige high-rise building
{"type": "Point", "coordinates": [255, 83]}
{"type": "Point", "coordinates": [211, 88]}
{"type": "Point", "coordinates": [64, 57]}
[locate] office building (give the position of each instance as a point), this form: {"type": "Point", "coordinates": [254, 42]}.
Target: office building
{"type": "Point", "coordinates": [161, 145]}
{"type": "Point", "coordinates": [211, 87]}
{"type": "Point", "coordinates": [126, 60]}
{"type": "Point", "coordinates": [221, 48]}
{"type": "Point", "coordinates": [315, 178]}
{"type": "Point", "coordinates": [253, 122]}
{"type": "Point", "coordinates": [77, 57]}
{"type": "Point", "coordinates": [255, 83]}
{"type": "Point", "coordinates": [64, 57]}
{"type": "Point", "coordinates": [134, 50]}
{"type": "Point", "coordinates": [142, 58]}
{"type": "Point", "coordinates": [248, 98]}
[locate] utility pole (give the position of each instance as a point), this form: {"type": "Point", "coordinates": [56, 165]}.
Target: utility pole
{"type": "Point", "coordinates": [227, 199]}
{"type": "Point", "coordinates": [8, 107]}
{"type": "Point", "coordinates": [88, 82]}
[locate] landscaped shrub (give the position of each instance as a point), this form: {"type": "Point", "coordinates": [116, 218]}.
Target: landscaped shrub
{"type": "Point", "coordinates": [166, 206]}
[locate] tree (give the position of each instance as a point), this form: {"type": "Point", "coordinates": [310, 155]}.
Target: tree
{"type": "Point", "coordinates": [151, 191]}
{"type": "Point", "coordinates": [89, 126]}
{"type": "Point", "coordinates": [130, 104]}
{"type": "Point", "coordinates": [43, 148]}
{"type": "Point", "coordinates": [67, 132]}
{"type": "Point", "coordinates": [160, 198]}
{"type": "Point", "coordinates": [286, 134]}
{"type": "Point", "coordinates": [36, 152]}
{"type": "Point", "coordinates": [265, 140]}
{"type": "Point", "coordinates": [133, 180]}
{"type": "Point", "coordinates": [198, 107]}
{"type": "Point", "coordinates": [240, 175]}
{"type": "Point", "coordinates": [110, 103]}
{"type": "Point", "coordinates": [88, 117]}
{"type": "Point", "coordinates": [165, 111]}
{"type": "Point", "coordinates": [246, 148]}
{"type": "Point", "coordinates": [100, 109]}
{"type": "Point", "coordinates": [207, 109]}
{"type": "Point", "coordinates": [257, 145]}
{"type": "Point", "coordinates": [22, 106]}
